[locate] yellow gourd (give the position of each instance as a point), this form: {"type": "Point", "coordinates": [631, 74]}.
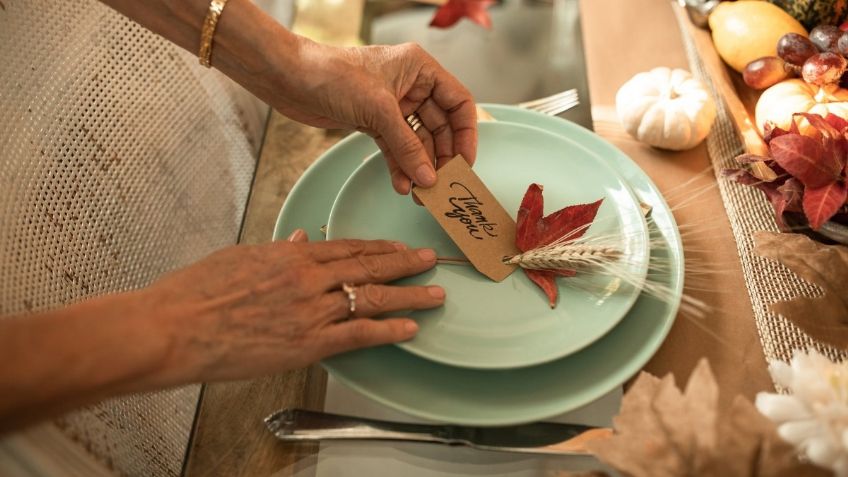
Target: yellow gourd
{"type": "Point", "coordinates": [745, 31]}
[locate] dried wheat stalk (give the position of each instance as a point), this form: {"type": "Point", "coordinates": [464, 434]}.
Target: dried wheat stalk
{"type": "Point", "coordinates": [566, 255]}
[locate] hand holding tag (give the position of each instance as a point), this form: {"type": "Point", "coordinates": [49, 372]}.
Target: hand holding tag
{"type": "Point", "coordinates": [472, 217]}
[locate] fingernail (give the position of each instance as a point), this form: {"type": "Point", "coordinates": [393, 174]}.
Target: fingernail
{"type": "Point", "coordinates": [410, 327]}
{"type": "Point", "coordinates": [436, 292]}
{"type": "Point", "coordinates": [405, 187]}
{"type": "Point", "coordinates": [427, 254]}
{"type": "Point", "coordinates": [425, 175]}
{"type": "Point", "coordinates": [400, 183]}
{"type": "Point", "coordinates": [399, 245]}
{"type": "Point", "coordinates": [295, 236]}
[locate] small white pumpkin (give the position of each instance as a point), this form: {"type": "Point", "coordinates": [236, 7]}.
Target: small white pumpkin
{"type": "Point", "coordinates": [778, 103]}
{"type": "Point", "coordinates": [666, 108]}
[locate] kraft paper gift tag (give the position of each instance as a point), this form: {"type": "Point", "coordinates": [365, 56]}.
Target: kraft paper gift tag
{"type": "Point", "coordinates": [472, 217]}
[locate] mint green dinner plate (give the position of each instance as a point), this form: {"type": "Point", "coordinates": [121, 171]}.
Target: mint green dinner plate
{"type": "Point", "coordinates": [489, 325]}
{"type": "Point", "coordinates": [438, 392]}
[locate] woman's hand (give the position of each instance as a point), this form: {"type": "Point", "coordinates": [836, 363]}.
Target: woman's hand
{"type": "Point", "coordinates": [242, 312]}
{"type": "Point", "coordinates": [370, 88]}
{"type": "Point", "coordinates": [260, 309]}
{"type": "Point", "coordinates": [373, 89]}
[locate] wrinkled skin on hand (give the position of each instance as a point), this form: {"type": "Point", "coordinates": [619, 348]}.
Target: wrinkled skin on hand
{"type": "Point", "coordinates": [251, 310]}
{"type": "Point", "coordinates": [373, 89]}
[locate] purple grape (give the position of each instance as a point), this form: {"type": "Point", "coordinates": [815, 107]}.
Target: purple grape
{"type": "Point", "coordinates": [764, 72]}
{"type": "Point", "coordinates": [824, 68]}
{"type": "Point", "coordinates": [825, 37]}
{"type": "Point", "coordinates": [842, 44]}
{"type": "Point", "coordinates": [795, 48]}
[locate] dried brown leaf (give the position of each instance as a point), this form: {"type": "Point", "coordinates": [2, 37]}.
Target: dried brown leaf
{"type": "Point", "coordinates": [648, 450]}
{"type": "Point", "coordinates": [662, 431]}
{"type": "Point", "coordinates": [750, 445]}
{"type": "Point", "coordinates": [702, 397]}
{"type": "Point", "coordinates": [824, 318]}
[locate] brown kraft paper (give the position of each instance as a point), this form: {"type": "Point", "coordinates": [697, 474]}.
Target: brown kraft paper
{"type": "Point", "coordinates": [472, 217]}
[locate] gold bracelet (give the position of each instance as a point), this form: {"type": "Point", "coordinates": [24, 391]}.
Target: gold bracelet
{"type": "Point", "coordinates": [208, 31]}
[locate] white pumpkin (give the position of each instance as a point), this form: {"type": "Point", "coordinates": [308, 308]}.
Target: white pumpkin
{"type": "Point", "coordinates": [666, 108]}
{"type": "Point", "coordinates": [778, 103]}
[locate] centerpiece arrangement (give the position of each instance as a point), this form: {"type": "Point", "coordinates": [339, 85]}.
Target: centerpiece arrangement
{"type": "Point", "coordinates": [804, 126]}
{"type": "Point", "coordinates": [780, 69]}
{"type": "Point", "coordinates": [799, 159]}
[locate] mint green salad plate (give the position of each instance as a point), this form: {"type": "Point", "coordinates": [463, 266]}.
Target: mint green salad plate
{"type": "Point", "coordinates": [443, 393]}
{"type": "Point", "coordinates": [499, 325]}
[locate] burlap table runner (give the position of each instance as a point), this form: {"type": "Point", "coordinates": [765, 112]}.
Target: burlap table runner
{"type": "Point", "coordinates": [748, 210]}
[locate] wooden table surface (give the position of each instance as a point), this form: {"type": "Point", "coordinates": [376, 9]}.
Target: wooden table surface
{"type": "Point", "coordinates": [621, 38]}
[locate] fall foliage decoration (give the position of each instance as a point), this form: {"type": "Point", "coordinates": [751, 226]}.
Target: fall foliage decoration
{"type": "Point", "coordinates": [454, 10]}
{"type": "Point", "coordinates": [534, 232]}
{"type": "Point", "coordinates": [809, 170]}
{"type": "Point", "coordinates": [661, 431]}
{"type": "Point", "coordinates": [824, 318]}
{"type": "Point", "coordinates": [811, 416]}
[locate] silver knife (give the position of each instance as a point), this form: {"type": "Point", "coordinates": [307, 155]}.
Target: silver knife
{"type": "Point", "coordinates": [299, 425]}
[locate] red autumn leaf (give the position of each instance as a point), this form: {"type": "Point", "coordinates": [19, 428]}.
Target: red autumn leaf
{"type": "Point", "coordinates": [750, 158]}
{"type": "Point", "coordinates": [832, 140]}
{"type": "Point", "coordinates": [454, 10]}
{"type": "Point", "coordinates": [545, 280]}
{"type": "Point", "coordinates": [802, 156]}
{"type": "Point", "coordinates": [822, 125]}
{"type": "Point", "coordinates": [529, 215]}
{"type": "Point", "coordinates": [836, 121]}
{"type": "Point", "coordinates": [822, 203]}
{"type": "Point", "coordinates": [771, 131]}
{"type": "Point", "coordinates": [792, 191]}
{"type": "Point", "coordinates": [810, 169]}
{"type": "Point", "coordinates": [793, 127]}
{"type": "Point", "coordinates": [571, 221]}
{"type": "Point", "coordinates": [777, 199]}
{"type": "Point", "coordinates": [844, 26]}
{"type": "Point", "coordinates": [534, 231]}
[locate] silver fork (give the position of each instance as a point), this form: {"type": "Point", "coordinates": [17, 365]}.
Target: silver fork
{"type": "Point", "coordinates": [553, 104]}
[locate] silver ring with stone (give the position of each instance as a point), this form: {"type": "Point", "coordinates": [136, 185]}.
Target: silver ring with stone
{"type": "Point", "coordinates": [350, 290]}
{"type": "Point", "coordinates": [414, 121]}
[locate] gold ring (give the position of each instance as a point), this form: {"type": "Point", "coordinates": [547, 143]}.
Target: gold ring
{"type": "Point", "coordinates": [414, 121]}
{"type": "Point", "coordinates": [351, 297]}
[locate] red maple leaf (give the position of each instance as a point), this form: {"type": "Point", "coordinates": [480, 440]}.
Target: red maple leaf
{"type": "Point", "coordinates": [454, 10]}
{"type": "Point", "coordinates": [534, 231]}
{"type": "Point", "coordinates": [811, 170]}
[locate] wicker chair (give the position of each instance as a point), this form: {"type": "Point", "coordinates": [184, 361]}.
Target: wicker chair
{"type": "Point", "coordinates": [120, 159]}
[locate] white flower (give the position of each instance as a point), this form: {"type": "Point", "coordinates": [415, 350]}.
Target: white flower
{"type": "Point", "coordinates": [814, 417]}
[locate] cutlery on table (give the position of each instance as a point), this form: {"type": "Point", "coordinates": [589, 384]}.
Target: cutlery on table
{"type": "Point", "coordinates": [550, 105]}
{"type": "Point", "coordinates": [553, 104]}
{"type": "Point", "coordinates": [299, 425]}
{"type": "Point", "coordinates": [559, 103]}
